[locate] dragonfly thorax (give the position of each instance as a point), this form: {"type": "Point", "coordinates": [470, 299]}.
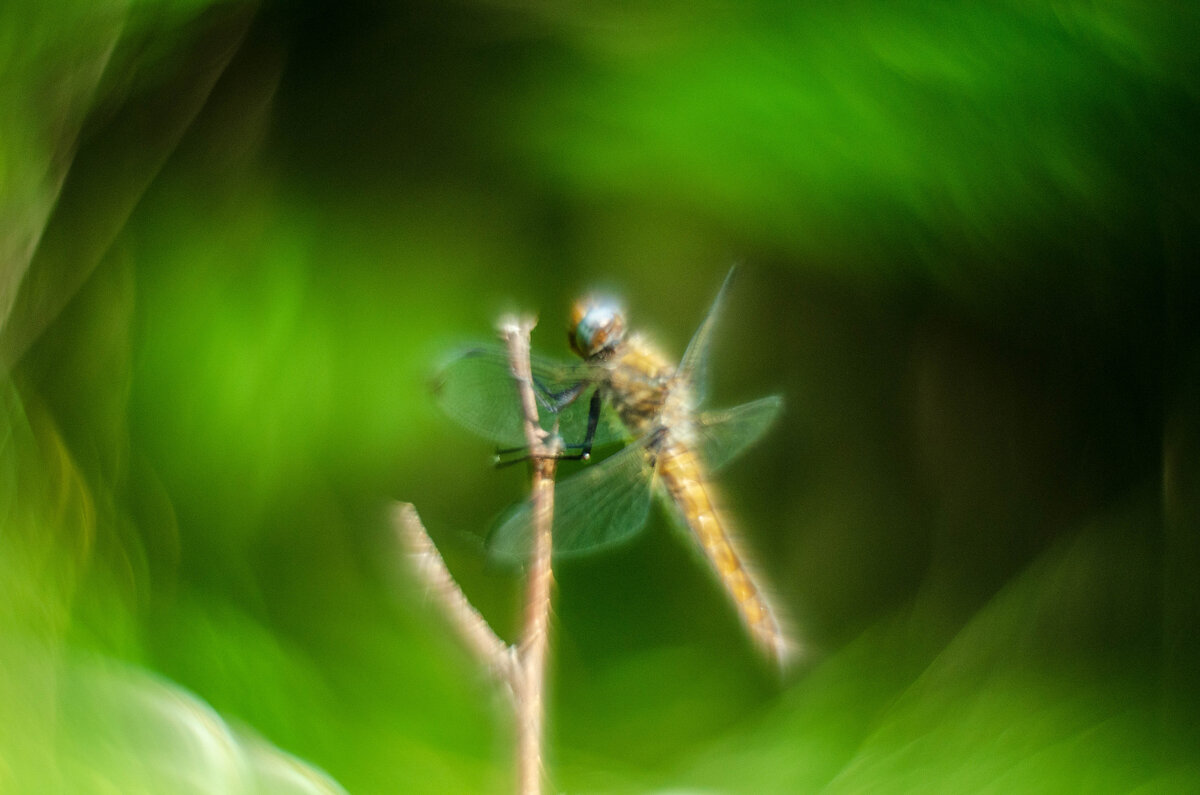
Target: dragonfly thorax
{"type": "Point", "coordinates": [597, 327]}
{"type": "Point", "coordinates": [639, 383]}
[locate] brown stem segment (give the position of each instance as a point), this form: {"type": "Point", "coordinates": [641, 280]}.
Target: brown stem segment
{"type": "Point", "coordinates": [529, 686]}
{"type": "Point", "coordinates": [523, 667]}
{"type": "Point", "coordinates": [440, 586]}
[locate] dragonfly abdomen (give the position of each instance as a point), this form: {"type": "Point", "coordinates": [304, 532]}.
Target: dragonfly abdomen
{"type": "Point", "coordinates": [683, 477]}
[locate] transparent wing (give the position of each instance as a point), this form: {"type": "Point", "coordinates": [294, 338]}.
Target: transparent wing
{"type": "Point", "coordinates": [724, 435]}
{"type": "Point", "coordinates": [475, 388]}
{"type": "Point", "coordinates": [596, 508]}
{"type": "Point", "coordinates": [693, 367]}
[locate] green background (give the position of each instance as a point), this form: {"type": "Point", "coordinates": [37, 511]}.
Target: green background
{"type": "Point", "coordinates": [236, 240]}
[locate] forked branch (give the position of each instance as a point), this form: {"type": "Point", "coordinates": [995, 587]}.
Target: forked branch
{"type": "Point", "coordinates": [523, 667]}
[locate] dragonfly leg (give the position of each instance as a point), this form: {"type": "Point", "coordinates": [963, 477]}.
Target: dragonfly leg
{"type": "Point", "coordinates": [502, 462]}
{"type": "Point", "coordinates": [593, 421]}
{"type": "Point", "coordinates": [555, 402]}
{"type": "Point", "coordinates": [580, 452]}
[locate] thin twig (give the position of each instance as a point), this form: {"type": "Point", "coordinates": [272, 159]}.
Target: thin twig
{"type": "Point", "coordinates": [531, 671]}
{"type": "Point", "coordinates": [491, 652]}
{"type": "Point", "coordinates": [523, 667]}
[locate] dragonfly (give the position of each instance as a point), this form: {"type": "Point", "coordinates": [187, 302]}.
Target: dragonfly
{"type": "Point", "coordinates": [624, 390]}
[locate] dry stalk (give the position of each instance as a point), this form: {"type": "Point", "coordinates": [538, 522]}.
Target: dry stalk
{"type": "Point", "coordinates": [522, 667]}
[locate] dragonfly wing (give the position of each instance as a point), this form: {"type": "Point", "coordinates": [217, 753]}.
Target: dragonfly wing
{"type": "Point", "coordinates": [476, 389]}
{"type": "Point", "coordinates": [601, 506]}
{"type": "Point", "coordinates": [694, 365]}
{"type": "Point", "coordinates": [724, 435]}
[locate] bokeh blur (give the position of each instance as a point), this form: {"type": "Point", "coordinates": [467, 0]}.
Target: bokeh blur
{"type": "Point", "coordinates": [236, 239]}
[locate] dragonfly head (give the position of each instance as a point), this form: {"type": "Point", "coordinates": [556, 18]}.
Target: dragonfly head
{"type": "Point", "coordinates": [597, 326]}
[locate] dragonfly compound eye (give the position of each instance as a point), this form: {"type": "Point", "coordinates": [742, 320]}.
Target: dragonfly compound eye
{"type": "Point", "coordinates": [597, 325]}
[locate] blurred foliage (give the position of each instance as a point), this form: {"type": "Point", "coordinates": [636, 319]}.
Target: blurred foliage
{"type": "Point", "coordinates": [236, 239]}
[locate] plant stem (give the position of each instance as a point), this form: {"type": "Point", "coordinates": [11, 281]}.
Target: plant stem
{"type": "Point", "coordinates": [522, 667]}
{"type": "Point", "coordinates": [529, 687]}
